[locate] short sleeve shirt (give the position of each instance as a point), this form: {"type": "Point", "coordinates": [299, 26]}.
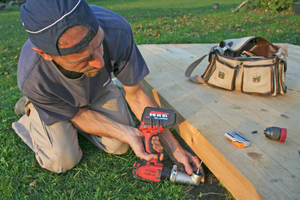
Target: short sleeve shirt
{"type": "Point", "coordinates": [58, 98]}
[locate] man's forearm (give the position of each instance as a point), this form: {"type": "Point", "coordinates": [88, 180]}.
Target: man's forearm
{"type": "Point", "coordinates": [92, 122]}
{"type": "Point", "coordinates": [138, 99]}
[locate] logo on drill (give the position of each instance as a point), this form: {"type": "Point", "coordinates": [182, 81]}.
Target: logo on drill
{"type": "Point", "coordinates": [158, 115]}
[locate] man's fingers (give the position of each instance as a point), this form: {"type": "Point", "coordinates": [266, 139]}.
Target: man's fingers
{"type": "Point", "coordinates": [194, 161]}
{"type": "Point", "coordinates": [203, 178]}
{"type": "Point", "coordinates": [161, 156]}
{"type": "Point", "coordinates": [148, 157]}
{"type": "Point", "coordinates": [192, 164]}
{"type": "Point", "coordinates": [156, 144]}
{"type": "Point", "coordinates": [189, 169]}
{"type": "Point", "coordinates": [202, 172]}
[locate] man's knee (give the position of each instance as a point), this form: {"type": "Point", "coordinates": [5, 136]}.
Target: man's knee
{"type": "Point", "coordinates": [118, 148]}
{"type": "Point", "coordinates": [58, 160]}
{"type": "Point", "coordinates": [109, 145]}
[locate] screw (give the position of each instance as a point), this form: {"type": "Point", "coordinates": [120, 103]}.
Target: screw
{"type": "Point", "coordinates": [198, 171]}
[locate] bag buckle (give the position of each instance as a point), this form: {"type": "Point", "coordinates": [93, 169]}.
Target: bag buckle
{"type": "Point", "coordinates": [221, 74]}
{"type": "Point", "coordinates": [256, 78]}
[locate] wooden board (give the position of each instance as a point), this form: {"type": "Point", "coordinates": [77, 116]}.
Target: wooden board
{"type": "Point", "coordinates": [266, 169]}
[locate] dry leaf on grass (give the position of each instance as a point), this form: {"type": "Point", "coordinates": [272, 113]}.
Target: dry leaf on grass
{"type": "Point", "coordinates": [32, 183]}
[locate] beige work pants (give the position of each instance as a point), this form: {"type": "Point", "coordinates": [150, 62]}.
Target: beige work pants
{"type": "Point", "coordinates": [56, 147]}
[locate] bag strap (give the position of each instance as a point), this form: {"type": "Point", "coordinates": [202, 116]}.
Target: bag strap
{"type": "Point", "coordinates": [190, 69]}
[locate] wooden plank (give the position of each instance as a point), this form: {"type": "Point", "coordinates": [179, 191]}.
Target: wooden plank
{"type": "Point", "coordinates": [250, 106]}
{"type": "Point", "coordinates": [235, 97]}
{"type": "Point", "coordinates": [171, 87]}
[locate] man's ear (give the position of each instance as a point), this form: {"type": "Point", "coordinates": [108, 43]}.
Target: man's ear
{"type": "Point", "coordinates": [43, 54]}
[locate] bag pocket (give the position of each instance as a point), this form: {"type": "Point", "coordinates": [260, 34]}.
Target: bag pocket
{"type": "Point", "coordinates": [258, 79]}
{"type": "Point", "coordinates": [223, 75]}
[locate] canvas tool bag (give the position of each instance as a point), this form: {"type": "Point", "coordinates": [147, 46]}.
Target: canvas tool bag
{"type": "Point", "coordinates": [249, 64]}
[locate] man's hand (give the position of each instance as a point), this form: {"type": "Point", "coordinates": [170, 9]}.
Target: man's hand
{"type": "Point", "coordinates": [136, 143]}
{"type": "Point", "coordinates": [190, 163]}
{"type": "Point", "coordinates": [157, 147]}
{"type": "Point", "coordinates": [184, 160]}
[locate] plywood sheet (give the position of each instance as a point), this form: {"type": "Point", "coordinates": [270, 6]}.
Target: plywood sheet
{"type": "Point", "coordinates": [205, 113]}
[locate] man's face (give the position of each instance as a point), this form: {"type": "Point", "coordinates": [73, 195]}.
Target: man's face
{"type": "Point", "coordinates": [89, 60]}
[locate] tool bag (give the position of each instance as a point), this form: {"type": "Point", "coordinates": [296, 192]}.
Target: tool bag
{"type": "Point", "coordinates": [249, 64]}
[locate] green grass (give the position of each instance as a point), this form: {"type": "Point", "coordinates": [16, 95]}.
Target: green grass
{"type": "Point", "coordinates": [99, 175]}
{"type": "Point", "coordinates": [194, 21]}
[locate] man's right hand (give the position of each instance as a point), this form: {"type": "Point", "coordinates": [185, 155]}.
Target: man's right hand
{"type": "Point", "coordinates": [136, 143]}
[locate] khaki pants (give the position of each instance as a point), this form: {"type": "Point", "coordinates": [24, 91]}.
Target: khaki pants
{"type": "Point", "coordinates": [56, 147]}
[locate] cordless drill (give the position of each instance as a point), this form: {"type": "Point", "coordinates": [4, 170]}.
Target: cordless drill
{"type": "Point", "coordinates": [154, 120]}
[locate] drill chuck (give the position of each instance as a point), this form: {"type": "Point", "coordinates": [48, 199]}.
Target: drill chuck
{"type": "Point", "coordinates": [183, 178]}
{"type": "Point", "coordinates": [276, 133]}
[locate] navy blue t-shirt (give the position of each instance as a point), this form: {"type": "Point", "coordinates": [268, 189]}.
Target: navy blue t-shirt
{"type": "Point", "coordinates": [58, 98]}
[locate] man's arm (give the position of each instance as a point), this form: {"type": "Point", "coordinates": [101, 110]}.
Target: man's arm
{"type": "Point", "coordinates": [95, 123]}
{"type": "Point", "coordinates": [138, 99]}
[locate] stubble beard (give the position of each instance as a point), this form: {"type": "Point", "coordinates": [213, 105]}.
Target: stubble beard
{"type": "Point", "coordinates": [92, 73]}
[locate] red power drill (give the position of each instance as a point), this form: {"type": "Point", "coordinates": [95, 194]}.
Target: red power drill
{"type": "Point", "coordinates": [154, 120]}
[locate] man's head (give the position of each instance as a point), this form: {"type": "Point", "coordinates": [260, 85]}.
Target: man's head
{"type": "Point", "coordinates": [66, 32]}
{"type": "Point", "coordinates": [45, 21]}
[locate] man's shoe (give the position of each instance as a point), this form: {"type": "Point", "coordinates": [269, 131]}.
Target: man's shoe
{"type": "Point", "coordinates": [20, 106]}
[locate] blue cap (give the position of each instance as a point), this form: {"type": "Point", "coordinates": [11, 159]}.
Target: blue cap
{"type": "Point", "coordinates": [45, 21]}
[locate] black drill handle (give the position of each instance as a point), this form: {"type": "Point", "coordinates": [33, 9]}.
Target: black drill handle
{"type": "Point", "coordinates": [147, 141]}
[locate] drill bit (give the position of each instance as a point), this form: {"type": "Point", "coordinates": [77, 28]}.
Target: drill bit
{"type": "Point", "coordinates": [198, 171]}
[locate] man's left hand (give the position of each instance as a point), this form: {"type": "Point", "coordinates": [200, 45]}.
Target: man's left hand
{"type": "Point", "coordinates": [191, 163]}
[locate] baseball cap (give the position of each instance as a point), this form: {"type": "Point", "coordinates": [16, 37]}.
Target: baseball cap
{"type": "Point", "coordinates": [45, 20]}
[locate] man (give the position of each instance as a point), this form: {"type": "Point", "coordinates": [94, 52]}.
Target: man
{"type": "Point", "coordinates": [65, 72]}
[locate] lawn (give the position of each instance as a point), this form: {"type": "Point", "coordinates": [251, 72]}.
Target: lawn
{"type": "Point", "coordinates": [100, 175]}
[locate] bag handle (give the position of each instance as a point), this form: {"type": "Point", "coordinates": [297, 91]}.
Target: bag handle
{"type": "Point", "coordinates": [190, 69]}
